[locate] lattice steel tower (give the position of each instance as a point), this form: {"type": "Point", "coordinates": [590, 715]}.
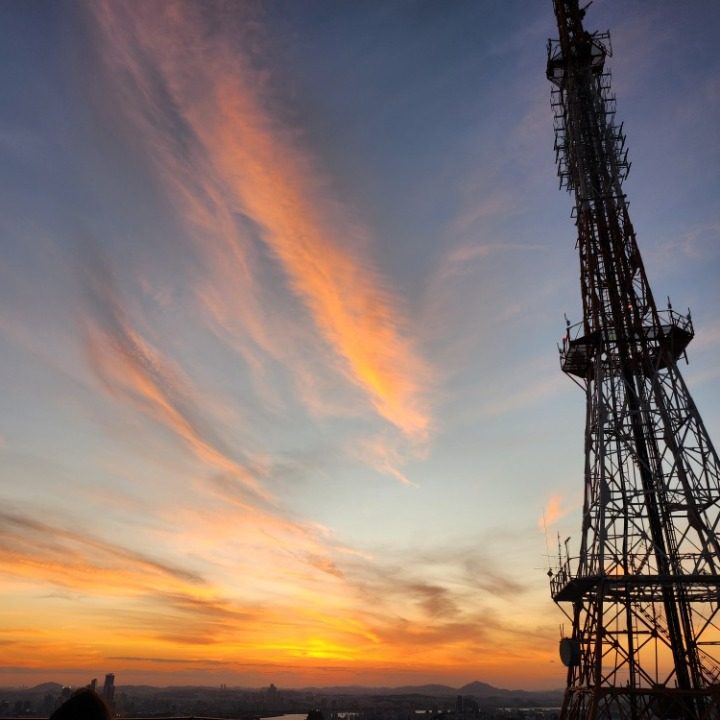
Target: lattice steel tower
{"type": "Point", "coordinates": [644, 592]}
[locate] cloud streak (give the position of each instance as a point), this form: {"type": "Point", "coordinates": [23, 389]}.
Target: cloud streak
{"type": "Point", "coordinates": [362, 613]}
{"type": "Point", "coordinates": [253, 163]}
{"type": "Point", "coordinates": [80, 561]}
{"type": "Point", "coordinates": [555, 510]}
{"type": "Point", "coordinates": [131, 369]}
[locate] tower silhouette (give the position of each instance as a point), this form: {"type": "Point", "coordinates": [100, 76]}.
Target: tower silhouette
{"type": "Point", "coordinates": [644, 592]}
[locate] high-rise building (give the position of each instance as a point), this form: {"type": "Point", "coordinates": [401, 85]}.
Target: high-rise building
{"type": "Point", "coordinates": [108, 692]}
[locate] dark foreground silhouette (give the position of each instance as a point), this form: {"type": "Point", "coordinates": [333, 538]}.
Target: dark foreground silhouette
{"type": "Point", "coordinates": [85, 704]}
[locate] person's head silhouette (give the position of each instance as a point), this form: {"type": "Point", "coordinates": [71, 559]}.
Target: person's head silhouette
{"type": "Point", "coordinates": [85, 704]}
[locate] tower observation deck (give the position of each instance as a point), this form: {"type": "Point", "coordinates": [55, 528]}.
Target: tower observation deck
{"type": "Point", "coordinates": [643, 593]}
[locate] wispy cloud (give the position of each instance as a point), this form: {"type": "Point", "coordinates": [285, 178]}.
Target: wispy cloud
{"type": "Point", "coordinates": [169, 661]}
{"type": "Point", "coordinates": [541, 379]}
{"type": "Point", "coordinates": [164, 600]}
{"type": "Point", "coordinates": [444, 586]}
{"type": "Point", "coordinates": [243, 158]}
{"type": "Point", "coordinates": [132, 370]}
{"type": "Point", "coordinates": [363, 613]}
{"type": "Point", "coordinates": [81, 561]}
{"type": "Point", "coordinates": [557, 507]}
{"type": "Point", "coordinates": [697, 245]}
{"type": "Point", "coordinates": [484, 206]}
{"type": "Point", "coordinates": [384, 455]}
{"type": "Point", "coordinates": [460, 259]}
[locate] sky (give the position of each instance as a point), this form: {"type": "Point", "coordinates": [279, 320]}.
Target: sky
{"type": "Point", "coordinates": [281, 285]}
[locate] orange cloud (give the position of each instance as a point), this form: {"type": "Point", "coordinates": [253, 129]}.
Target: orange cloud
{"type": "Point", "coordinates": [130, 368]}
{"type": "Point", "coordinates": [33, 550]}
{"type": "Point", "coordinates": [555, 510]}
{"type": "Point", "coordinates": [384, 456]}
{"type": "Point", "coordinates": [154, 593]}
{"type": "Point", "coordinates": [346, 298]}
{"type": "Point", "coordinates": [296, 610]}
{"type": "Point", "coordinates": [246, 161]}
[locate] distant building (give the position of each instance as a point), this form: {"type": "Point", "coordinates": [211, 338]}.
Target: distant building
{"type": "Point", "coordinates": [108, 692]}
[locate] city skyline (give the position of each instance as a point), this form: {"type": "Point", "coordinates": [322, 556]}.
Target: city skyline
{"type": "Point", "coordinates": [281, 285]}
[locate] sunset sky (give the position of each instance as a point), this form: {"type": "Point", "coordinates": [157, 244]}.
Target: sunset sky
{"type": "Point", "coordinates": [281, 284]}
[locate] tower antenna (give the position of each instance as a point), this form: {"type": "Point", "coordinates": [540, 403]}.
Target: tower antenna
{"type": "Point", "coordinates": [645, 589]}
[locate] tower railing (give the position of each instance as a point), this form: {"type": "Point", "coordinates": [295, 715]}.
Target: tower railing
{"type": "Point", "coordinates": [673, 331]}
{"type": "Point", "coordinates": [568, 584]}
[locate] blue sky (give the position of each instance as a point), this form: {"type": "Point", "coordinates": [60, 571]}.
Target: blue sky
{"type": "Point", "coordinates": [280, 289]}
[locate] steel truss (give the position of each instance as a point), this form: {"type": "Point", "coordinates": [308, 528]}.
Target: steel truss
{"type": "Point", "coordinates": [644, 592]}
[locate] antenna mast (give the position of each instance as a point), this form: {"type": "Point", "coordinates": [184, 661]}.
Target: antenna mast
{"type": "Point", "coordinates": [644, 592]}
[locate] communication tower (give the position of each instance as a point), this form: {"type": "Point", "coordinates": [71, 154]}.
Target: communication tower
{"type": "Point", "coordinates": [643, 596]}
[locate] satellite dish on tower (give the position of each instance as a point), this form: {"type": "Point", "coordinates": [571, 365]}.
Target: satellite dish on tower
{"type": "Point", "coordinates": [569, 652]}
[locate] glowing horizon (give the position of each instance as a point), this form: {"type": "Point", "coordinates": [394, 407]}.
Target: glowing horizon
{"type": "Point", "coordinates": [279, 288]}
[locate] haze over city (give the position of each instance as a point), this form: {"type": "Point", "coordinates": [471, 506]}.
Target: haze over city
{"type": "Point", "coordinates": [280, 290]}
